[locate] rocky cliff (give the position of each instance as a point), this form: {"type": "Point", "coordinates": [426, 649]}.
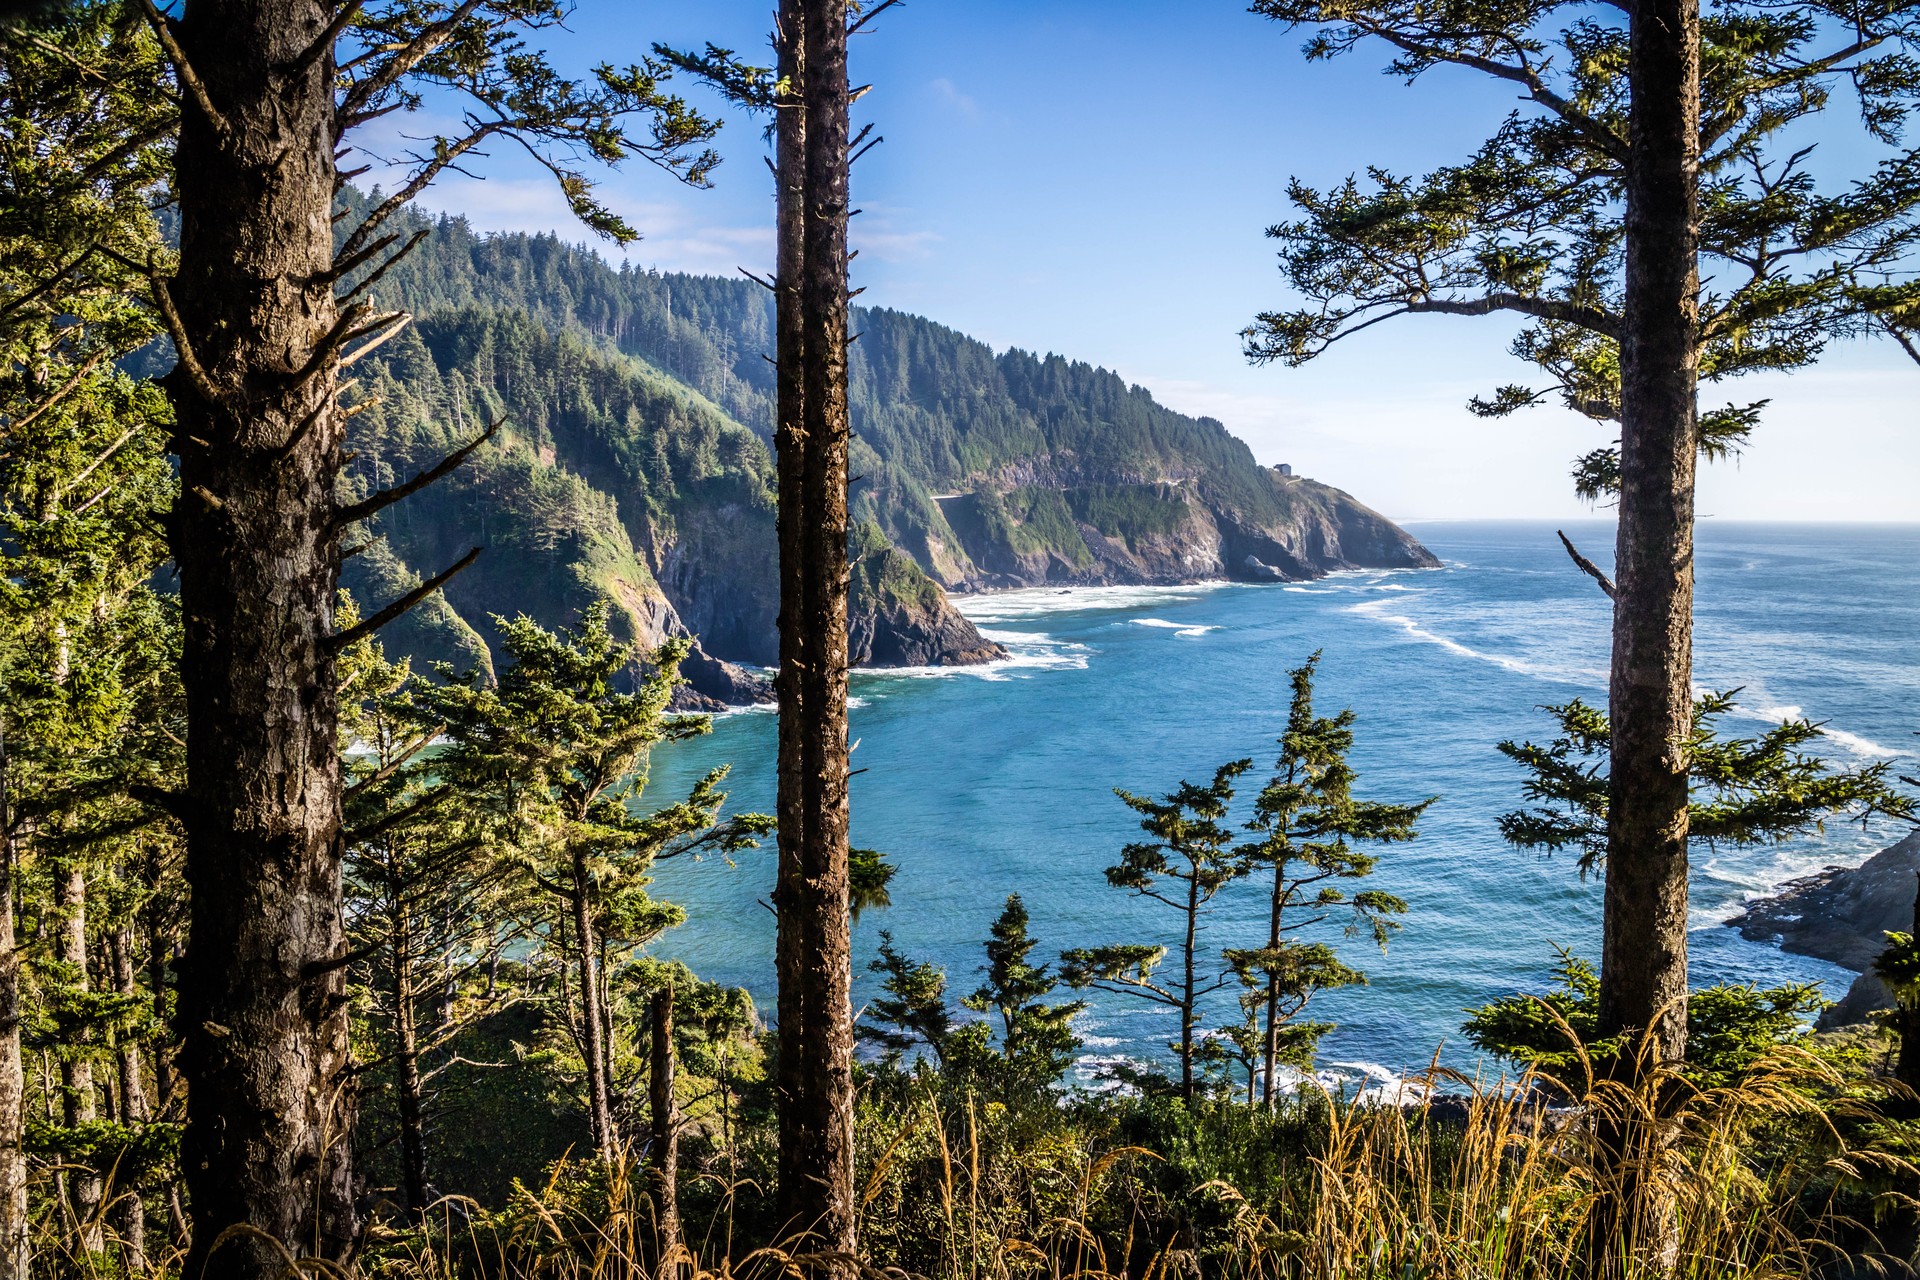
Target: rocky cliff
{"type": "Point", "coordinates": [632, 463]}
{"type": "Point", "coordinates": [1843, 915]}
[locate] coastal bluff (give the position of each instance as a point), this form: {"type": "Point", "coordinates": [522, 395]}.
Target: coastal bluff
{"type": "Point", "coordinates": [1842, 915]}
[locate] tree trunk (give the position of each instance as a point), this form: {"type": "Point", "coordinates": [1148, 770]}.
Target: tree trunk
{"type": "Point", "coordinates": [76, 1072]}
{"type": "Point", "coordinates": [16, 1254]}
{"type": "Point", "coordinates": [263, 1008]}
{"type": "Point", "coordinates": [1643, 978]}
{"type": "Point", "coordinates": [1270, 1047]}
{"type": "Point", "coordinates": [663, 1151]}
{"type": "Point", "coordinates": [811, 439]}
{"type": "Point", "coordinates": [160, 938]}
{"type": "Point", "coordinates": [1907, 1021]}
{"type": "Point", "coordinates": [1187, 998]}
{"type": "Point", "coordinates": [1644, 958]}
{"type": "Point", "coordinates": [593, 1042]}
{"type": "Point", "coordinates": [406, 1072]}
{"type": "Point", "coordinates": [130, 1208]}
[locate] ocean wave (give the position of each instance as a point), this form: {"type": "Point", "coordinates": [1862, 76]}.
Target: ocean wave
{"type": "Point", "coordinates": [1359, 1082]}
{"type": "Point", "coordinates": [1727, 882]}
{"type": "Point", "coordinates": [1376, 609]}
{"type": "Point", "coordinates": [1194, 631]}
{"type": "Point", "coordinates": [1154, 622]}
{"type": "Point", "coordinates": [1026, 651]}
{"type": "Point", "coordinates": [1850, 742]}
{"type": "Point", "coordinates": [1027, 602]}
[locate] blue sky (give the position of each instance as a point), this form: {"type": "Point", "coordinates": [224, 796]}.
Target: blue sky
{"type": "Point", "coordinates": [1094, 178]}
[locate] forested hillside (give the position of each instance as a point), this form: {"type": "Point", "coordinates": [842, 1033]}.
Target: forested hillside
{"type": "Point", "coordinates": [632, 462]}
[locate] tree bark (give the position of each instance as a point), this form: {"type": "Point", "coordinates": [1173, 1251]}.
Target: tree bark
{"type": "Point", "coordinates": [1643, 980]}
{"type": "Point", "coordinates": [811, 440]}
{"type": "Point", "coordinates": [78, 1104]}
{"type": "Point", "coordinates": [16, 1254]}
{"type": "Point", "coordinates": [593, 1041]}
{"type": "Point", "coordinates": [663, 1149]}
{"type": "Point", "coordinates": [1644, 957]}
{"type": "Point", "coordinates": [263, 1010]}
{"type": "Point", "coordinates": [130, 1207]}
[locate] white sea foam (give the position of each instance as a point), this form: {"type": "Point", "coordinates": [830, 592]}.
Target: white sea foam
{"type": "Point", "coordinates": [1154, 622]}
{"type": "Point", "coordinates": [1375, 609]}
{"type": "Point", "coordinates": [1026, 651]}
{"type": "Point", "coordinates": [1850, 742]}
{"type": "Point", "coordinates": [1194, 631]}
{"type": "Point", "coordinates": [1004, 606]}
{"type": "Point", "coordinates": [1360, 1082]}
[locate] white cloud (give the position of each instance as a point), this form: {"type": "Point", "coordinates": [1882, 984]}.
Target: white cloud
{"type": "Point", "coordinates": [949, 94]}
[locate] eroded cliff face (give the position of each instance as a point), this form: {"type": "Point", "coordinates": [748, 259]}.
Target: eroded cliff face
{"type": "Point", "coordinates": [1056, 528]}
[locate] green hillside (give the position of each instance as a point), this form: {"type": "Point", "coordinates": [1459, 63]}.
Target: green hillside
{"type": "Point", "coordinates": [633, 463]}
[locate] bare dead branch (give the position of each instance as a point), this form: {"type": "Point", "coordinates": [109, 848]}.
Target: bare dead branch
{"type": "Point", "coordinates": [374, 277]}
{"type": "Point", "coordinates": [1587, 566]}
{"type": "Point", "coordinates": [189, 78]}
{"type": "Point", "coordinates": [359, 631]}
{"type": "Point", "coordinates": [404, 60]}
{"type": "Point", "coordinates": [385, 498]}
{"type": "Point", "coordinates": [394, 765]}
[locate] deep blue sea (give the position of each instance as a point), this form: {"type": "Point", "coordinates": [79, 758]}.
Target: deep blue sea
{"type": "Point", "coordinates": [981, 782]}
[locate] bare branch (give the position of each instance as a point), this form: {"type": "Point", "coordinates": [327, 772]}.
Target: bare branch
{"type": "Point", "coordinates": [404, 60]}
{"type": "Point", "coordinates": [189, 78]}
{"type": "Point", "coordinates": [361, 630]}
{"type": "Point", "coordinates": [65, 390]}
{"type": "Point", "coordinates": [396, 321]}
{"type": "Point", "coordinates": [859, 26]}
{"type": "Point", "coordinates": [394, 765]}
{"type": "Point", "coordinates": [1587, 566]}
{"type": "Point", "coordinates": [387, 497]}
{"type": "Point", "coordinates": [374, 277]}
{"type": "Point", "coordinates": [1539, 308]}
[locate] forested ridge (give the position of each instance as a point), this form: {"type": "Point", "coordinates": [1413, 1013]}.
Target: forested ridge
{"type": "Point", "coordinates": [650, 391]}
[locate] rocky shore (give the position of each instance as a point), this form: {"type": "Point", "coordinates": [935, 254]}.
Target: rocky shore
{"type": "Point", "coordinates": [1842, 915]}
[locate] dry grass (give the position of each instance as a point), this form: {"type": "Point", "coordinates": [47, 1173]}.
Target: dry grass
{"type": "Point", "coordinates": [1501, 1186]}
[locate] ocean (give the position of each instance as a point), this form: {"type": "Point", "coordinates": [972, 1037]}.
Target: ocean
{"type": "Point", "coordinates": [980, 782]}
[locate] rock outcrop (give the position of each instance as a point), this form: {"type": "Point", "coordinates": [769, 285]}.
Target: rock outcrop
{"type": "Point", "coordinates": [1843, 915]}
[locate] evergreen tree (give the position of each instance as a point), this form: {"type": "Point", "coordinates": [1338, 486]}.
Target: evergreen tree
{"type": "Point", "coordinates": [1190, 858]}
{"type": "Point", "coordinates": [913, 1011]}
{"type": "Point", "coordinates": [265, 310]}
{"type": "Point", "coordinates": [87, 691]}
{"type": "Point", "coordinates": [1741, 791]}
{"type": "Point", "coordinates": [1307, 821]}
{"type": "Point", "coordinates": [1899, 967]}
{"type": "Point", "coordinates": [1654, 140]}
{"type": "Point", "coordinates": [1729, 1027]}
{"type": "Point", "coordinates": [559, 756]}
{"type": "Point", "coordinates": [428, 905]}
{"type": "Point", "coordinates": [1037, 1043]}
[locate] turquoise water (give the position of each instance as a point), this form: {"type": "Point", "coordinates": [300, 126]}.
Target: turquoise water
{"type": "Point", "coordinates": [984, 782]}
